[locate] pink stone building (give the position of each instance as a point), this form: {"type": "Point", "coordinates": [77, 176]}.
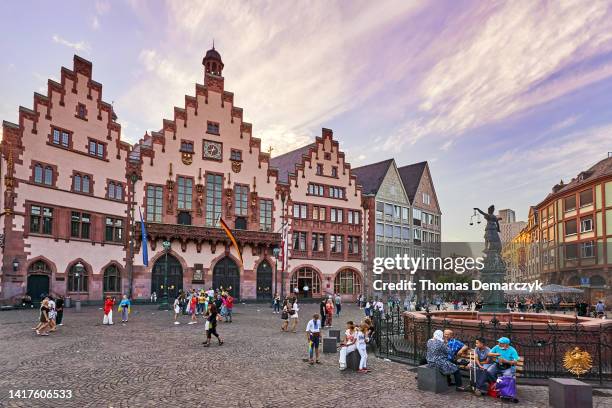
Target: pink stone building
{"type": "Point", "coordinates": [73, 191]}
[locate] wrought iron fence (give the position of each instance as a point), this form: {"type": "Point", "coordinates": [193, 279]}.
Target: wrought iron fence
{"type": "Point", "coordinates": [403, 338]}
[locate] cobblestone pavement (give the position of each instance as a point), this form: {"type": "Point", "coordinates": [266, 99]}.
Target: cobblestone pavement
{"type": "Point", "coordinates": [151, 362]}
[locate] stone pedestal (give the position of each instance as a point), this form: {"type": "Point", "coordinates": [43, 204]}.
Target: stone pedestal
{"type": "Point", "coordinates": [352, 360]}
{"type": "Point", "coordinates": [431, 379]}
{"type": "Point", "coordinates": [569, 393]}
{"type": "Point", "coordinates": [329, 345]}
{"type": "Point", "coordinates": [334, 333]}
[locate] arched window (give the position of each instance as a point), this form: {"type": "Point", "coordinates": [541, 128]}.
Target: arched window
{"type": "Point", "coordinates": [597, 281]}
{"type": "Point", "coordinates": [39, 267]}
{"type": "Point", "coordinates": [347, 282]}
{"type": "Point", "coordinates": [48, 175]}
{"type": "Point", "coordinates": [112, 279]}
{"type": "Point", "coordinates": [77, 284]}
{"type": "Point", "coordinates": [38, 173]}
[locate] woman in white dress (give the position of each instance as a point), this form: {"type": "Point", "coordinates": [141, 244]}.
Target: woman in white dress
{"type": "Point", "coordinates": [177, 310]}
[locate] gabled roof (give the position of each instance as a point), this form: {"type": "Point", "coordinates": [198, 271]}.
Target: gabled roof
{"type": "Point", "coordinates": [411, 177]}
{"type": "Point", "coordinates": [285, 163]}
{"type": "Point", "coordinates": [372, 175]}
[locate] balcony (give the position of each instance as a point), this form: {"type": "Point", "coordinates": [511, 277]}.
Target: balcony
{"type": "Point", "coordinates": [200, 234]}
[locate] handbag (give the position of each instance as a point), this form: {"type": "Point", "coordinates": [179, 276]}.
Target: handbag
{"type": "Point", "coordinates": [207, 325]}
{"type": "Point", "coordinates": [284, 315]}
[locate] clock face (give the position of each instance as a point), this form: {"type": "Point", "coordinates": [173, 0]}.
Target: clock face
{"type": "Point", "coordinates": [212, 150]}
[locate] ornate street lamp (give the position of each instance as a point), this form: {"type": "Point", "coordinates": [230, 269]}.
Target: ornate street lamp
{"type": "Point", "coordinates": [79, 272]}
{"type": "Point", "coordinates": [276, 252]}
{"type": "Point", "coordinates": [164, 304]}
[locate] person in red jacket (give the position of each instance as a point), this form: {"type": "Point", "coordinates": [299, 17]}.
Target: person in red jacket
{"type": "Point", "coordinates": [193, 306]}
{"type": "Point", "coordinates": [228, 301]}
{"type": "Point", "coordinates": [108, 310]}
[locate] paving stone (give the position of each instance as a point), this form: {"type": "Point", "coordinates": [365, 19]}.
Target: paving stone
{"type": "Point", "coordinates": [150, 362]}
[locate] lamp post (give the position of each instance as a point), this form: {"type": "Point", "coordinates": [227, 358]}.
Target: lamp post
{"type": "Point", "coordinates": [276, 251]}
{"type": "Point", "coordinates": [133, 179]}
{"type": "Point", "coordinates": [79, 272]}
{"type": "Point", "coordinates": [164, 304]}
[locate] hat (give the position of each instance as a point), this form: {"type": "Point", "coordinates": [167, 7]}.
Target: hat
{"type": "Point", "coordinates": [503, 340]}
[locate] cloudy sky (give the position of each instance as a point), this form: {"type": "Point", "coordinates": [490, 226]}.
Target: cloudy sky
{"type": "Point", "coordinates": [503, 99]}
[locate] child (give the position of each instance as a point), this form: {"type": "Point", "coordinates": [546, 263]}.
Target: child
{"type": "Point", "coordinates": [177, 310]}
{"type": "Point", "coordinates": [108, 311]}
{"type": "Point", "coordinates": [313, 335]}
{"type": "Point", "coordinates": [361, 339]}
{"type": "Point", "coordinates": [124, 306]}
{"type": "Point", "coordinates": [482, 363]}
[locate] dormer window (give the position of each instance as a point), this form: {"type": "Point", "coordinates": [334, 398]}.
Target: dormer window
{"type": "Point", "coordinates": [212, 128]}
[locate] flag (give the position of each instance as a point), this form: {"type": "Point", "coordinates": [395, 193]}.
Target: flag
{"type": "Point", "coordinates": [230, 235]}
{"type": "Point", "coordinates": [143, 233]}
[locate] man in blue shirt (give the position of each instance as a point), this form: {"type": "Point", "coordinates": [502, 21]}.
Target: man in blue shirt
{"type": "Point", "coordinates": [505, 358]}
{"type": "Point", "coordinates": [455, 346]}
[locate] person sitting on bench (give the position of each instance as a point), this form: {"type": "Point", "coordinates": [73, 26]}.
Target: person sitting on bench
{"type": "Point", "coordinates": [482, 363]}
{"type": "Point", "coordinates": [437, 357]}
{"type": "Point", "coordinates": [505, 359]}
{"type": "Point", "coordinates": [456, 348]}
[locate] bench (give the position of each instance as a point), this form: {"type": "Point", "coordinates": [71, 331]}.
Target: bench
{"type": "Point", "coordinates": [469, 355]}
{"type": "Point", "coordinates": [431, 379]}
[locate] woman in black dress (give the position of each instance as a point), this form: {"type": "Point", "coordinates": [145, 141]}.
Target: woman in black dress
{"type": "Point", "coordinates": [212, 325]}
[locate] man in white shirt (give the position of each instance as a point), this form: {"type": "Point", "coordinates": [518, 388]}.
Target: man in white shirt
{"type": "Point", "coordinates": [313, 336]}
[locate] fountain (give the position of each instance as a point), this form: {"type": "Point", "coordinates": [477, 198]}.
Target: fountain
{"type": "Point", "coordinates": [541, 338]}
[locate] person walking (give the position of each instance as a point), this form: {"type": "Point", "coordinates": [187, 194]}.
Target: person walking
{"type": "Point", "coordinates": [285, 316]}
{"type": "Point", "coordinates": [294, 315]}
{"type": "Point", "coordinates": [329, 312]}
{"type": "Point", "coordinates": [177, 310]}
{"type": "Point", "coordinates": [322, 311]}
{"type": "Point", "coordinates": [108, 311]}
{"type": "Point", "coordinates": [59, 307]}
{"type": "Point", "coordinates": [276, 304]}
{"type": "Point", "coordinates": [44, 318]}
{"type": "Point", "coordinates": [313, 336]}
{"type": "Point", "coordinates": [193, 306]}
{"type": "Point", "coordinates": [201, 302]}
{"type": "Point", "coordinates": [338, 304]}
{"type": "Point", "coordinates": [124, 307]}
{"type": "Point", "coordinates": [212, 325]}
{"type": "Point", "coordinates": [228, 303]}
{"type": "Point", "coordinates": [52, 315]}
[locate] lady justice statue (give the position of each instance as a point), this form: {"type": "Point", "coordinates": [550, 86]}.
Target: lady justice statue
{"type": "Point", "coordinates": [492, 240]}
{"type": "Point", "coordinates": [494, 267]}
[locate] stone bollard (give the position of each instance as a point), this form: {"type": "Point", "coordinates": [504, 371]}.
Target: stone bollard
{"type": "Point", "coordinates": [431, 379]}
{"type": "Point", "coordinates": [569, 393]}
{"type": "Point", "coordinates": [334, 333]}
{"type": "Point", "coordinates": [329, 345]}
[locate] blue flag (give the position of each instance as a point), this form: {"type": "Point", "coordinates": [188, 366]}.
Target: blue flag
{"type": "Point", "coordinates": [143, 233]}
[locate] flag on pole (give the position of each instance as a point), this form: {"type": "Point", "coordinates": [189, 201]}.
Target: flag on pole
{"type": "Point", "coordinates": [143, 233]}
{"type": "Point", "coordinates": [230, 235]}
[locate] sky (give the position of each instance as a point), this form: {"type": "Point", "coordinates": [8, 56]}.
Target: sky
{"type": "Point", "coordinates": [503, 99]}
